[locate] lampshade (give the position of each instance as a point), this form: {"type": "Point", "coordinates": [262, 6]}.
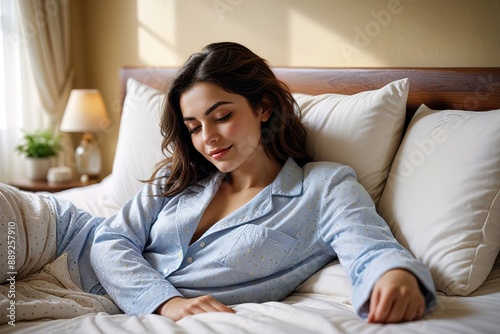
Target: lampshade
{"type": "Point", "coordinates": [85, 112]}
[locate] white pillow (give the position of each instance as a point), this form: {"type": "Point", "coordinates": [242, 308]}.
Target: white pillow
{"type": "Point", "coordinates": [364, 130]}
{"type": "Point", "coordinates": [442, 195]}
{"type": "Point", "coordinates": [139, 142]}
{"type": "Point", "coordinates": [361, 130]}
{"type": "Point", "coordinates": [330, 280]}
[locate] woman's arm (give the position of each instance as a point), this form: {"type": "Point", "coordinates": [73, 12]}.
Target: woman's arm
{"type": "Point", "coordinates": [117, 255]}
{"type": "Point", "coordinates": [390, 285]}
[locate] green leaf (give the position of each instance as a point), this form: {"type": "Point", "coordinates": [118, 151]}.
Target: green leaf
{"type": "Point", "coordinates": [40, 144]}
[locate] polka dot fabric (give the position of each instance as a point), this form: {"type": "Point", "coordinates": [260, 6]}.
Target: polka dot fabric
{"type": "Point", "coordinates": [40, 284]}
{"type": "Point", "coordinates": [28, 226]}
{"type": "Point", "coordinates": [50, 293]}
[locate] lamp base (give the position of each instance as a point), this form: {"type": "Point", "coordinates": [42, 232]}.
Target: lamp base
{"type": "Point", "coordinates": [88, 157]}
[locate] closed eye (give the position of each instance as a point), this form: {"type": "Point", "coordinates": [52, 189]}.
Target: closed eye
{"type": "Point", "coordinates": [194, 130]}
{"type": "Point", "coordinates": [224, 118]}
{"type": "Point", "coordinates": [217, 120]}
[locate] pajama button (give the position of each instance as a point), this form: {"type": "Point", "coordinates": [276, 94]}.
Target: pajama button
{"type": "Point", "coordinates": [202, 244]}
{"type": "Point", "coordinates": [189, 259]}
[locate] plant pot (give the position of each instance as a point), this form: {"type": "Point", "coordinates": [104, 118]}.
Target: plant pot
{"type": "Point", "coordinates": [37, 168]}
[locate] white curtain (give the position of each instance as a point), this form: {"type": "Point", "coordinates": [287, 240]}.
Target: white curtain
{"type": "Point", "coordinates": [19, 103]}
{"type": "Point", "coordinates": [35, 75]}
{"type": "Point", "coordinates": [47, 28]}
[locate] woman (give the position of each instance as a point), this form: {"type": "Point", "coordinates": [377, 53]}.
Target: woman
{"type": "Point", "coordinates": [239, 214]}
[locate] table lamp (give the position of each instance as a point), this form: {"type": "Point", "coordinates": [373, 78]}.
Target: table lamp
{"type": "Point", "coordinates": [86, 112]}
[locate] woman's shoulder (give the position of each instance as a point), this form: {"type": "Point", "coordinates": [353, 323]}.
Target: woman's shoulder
{"type": "Point", "coordinates": [327, 170]}
{"type": "Point", "coordinates": [156, 185]}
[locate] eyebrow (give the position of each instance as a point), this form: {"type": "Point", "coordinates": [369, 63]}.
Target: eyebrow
{"type": "Point", "coordinates": [209, 110]}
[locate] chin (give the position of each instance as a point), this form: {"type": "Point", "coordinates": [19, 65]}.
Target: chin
{"type": "Point", "coordinates": [224, 167]}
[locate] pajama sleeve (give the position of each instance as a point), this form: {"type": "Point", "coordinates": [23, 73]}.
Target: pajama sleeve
{"type": "Point", "coordinates": [117, 255]}
{"type": "Point", "coordinates": [352, 229]}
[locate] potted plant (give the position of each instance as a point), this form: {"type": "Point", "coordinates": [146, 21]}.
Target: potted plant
{"type": "Point", "coordinates": [39, 148]}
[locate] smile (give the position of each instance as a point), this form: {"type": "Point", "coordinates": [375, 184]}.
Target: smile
{"type": "Point", "coordinates": [219, 152]}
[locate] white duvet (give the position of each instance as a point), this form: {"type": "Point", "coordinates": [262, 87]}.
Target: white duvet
{"type": "Point", "coordinates": [320, 305]}
{"type": "Point", "coordinates": [49, 302]}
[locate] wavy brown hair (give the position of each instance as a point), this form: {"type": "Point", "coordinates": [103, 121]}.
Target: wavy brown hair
{"type": "Point", "coordinates": [236, 69]}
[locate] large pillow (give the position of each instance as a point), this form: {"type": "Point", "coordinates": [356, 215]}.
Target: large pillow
{"type": "Point", "coordinates": [442, 195]}
{"type": "Point", "coordinates": [331, 280]}
{"type": "Point", "coordinates": [361, 130]}
{"type": "Point", "coordinates": [139, 142]}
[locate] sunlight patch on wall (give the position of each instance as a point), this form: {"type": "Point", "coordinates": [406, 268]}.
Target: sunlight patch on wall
{"type": "Point", "coordinates": [310, 43]}
{"type": "Point", "coordinates": [354, 41]}
{"type": "Point", "coordinates": [156, 32]}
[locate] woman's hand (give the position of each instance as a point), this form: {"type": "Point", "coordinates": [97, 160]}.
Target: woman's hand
{"type": "Point", "coordinates": [396, 297]}
{"type": "Point", "coordinates": [178, 307]}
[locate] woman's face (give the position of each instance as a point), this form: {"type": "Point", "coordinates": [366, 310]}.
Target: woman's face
{"type": "Point", "coordinates": [223, 126]}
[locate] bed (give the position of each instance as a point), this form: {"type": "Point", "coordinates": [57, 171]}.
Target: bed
{"type": "Point", "coordinates": [425, 143]}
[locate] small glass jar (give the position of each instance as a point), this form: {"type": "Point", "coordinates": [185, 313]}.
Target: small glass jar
{"type": "Point", "coordinates": [88, 157]}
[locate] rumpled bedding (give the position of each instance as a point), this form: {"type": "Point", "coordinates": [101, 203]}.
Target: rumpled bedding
{"type": "Point", "coordinates": [38, 285]}
{"type": "Point", "coordinates": [50, 293]}
{"type": "Point", "coordinates": [322, 304]}
{"type": "Point", "coordinates": [304, 311]}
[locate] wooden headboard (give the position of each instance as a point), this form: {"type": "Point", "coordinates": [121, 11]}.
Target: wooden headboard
{"type": "Point", "coordinates": [469, 88]}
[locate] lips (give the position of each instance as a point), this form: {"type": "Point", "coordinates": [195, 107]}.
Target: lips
{"type": "Point", "coordinates": [218, 153]}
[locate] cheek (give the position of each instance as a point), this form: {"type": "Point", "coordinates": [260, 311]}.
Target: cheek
{"type": "Point", "coordinates": [242, 133]}
{"type": "Point", "coordinates": [233, 131]}
{"type": "Point", "coordinates": [198, 143]}
{"type": "Point", "coordinates": [247, 135]}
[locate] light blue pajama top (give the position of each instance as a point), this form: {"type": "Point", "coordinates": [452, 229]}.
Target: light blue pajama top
{"type": "Point", "coordinates": [306, 218]}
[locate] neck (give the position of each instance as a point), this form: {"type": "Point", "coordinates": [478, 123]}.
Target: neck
{"type": "Point", "coordinates": [256, 175]}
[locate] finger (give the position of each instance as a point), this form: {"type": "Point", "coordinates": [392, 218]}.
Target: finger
{"type": "Point", "coordinates": [203, 304]}
{"type": "Point", "coordinates": [223, 308]}
{"type": "Point", "coordinates": [220, 307]}
{"type": "Point", "coordinates": [385, 307]}
{"type": "Point", "coordinates": [413, 312]}
{"type": "Point", "coordinates": [401, 311]}
{"type": "Point", "coordinates": [407, 308]}
{"type": "Point", "coordinates": [374, 300]}
{"type": "Point", "coordinates": [418, 314]}
{"type": "Point", "coordinates": [210, 304]}
{"type": "Point", "coordinates": [416, 308]}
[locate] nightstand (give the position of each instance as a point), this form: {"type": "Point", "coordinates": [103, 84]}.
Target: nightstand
{"type": "Point", "coordinates": [51, 187]}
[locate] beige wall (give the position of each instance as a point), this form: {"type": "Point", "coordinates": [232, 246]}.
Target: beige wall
{"type": "Point", "coordinates": [108, 34]}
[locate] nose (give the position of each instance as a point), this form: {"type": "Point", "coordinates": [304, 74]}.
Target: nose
{"type": "Point", "coordinates": [210, 134]}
